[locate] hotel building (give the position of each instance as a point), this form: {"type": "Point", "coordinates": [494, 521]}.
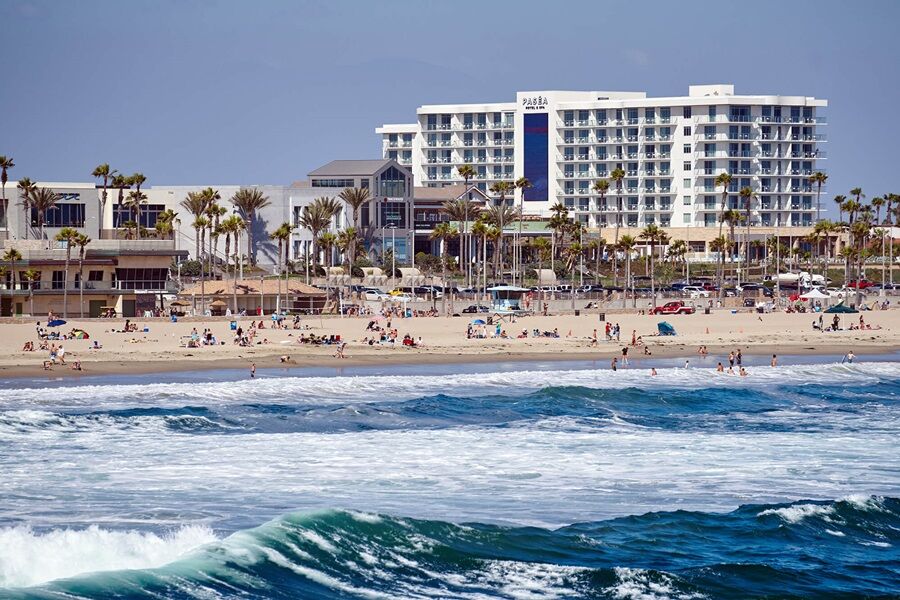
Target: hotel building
{"type": "Point", "coordinates": [670, 148]}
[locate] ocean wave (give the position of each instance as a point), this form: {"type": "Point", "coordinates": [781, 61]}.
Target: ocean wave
{"type": "Point", "coordinates": [29, 558]}
{"type": "Point", "coordinates": [374, 389]}
{"type": "Point", "coordinates": [340, 554]}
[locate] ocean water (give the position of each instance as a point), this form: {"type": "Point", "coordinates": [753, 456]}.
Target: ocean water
{"type": "Point", "coordinates": [516, 481]}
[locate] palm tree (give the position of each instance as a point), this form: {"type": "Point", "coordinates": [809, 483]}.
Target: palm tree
{"type": "Point", "coordinates": [195, 204]}
{"type": "Point", "coordinates": [249, 201]}
{"type": "Point", "coordinates": [81, 240]}
{"type": "Point", "coordinates": [573, 255]}
{"type": "Point", "coordinates": [617, 176]}
{"type": "Point", "coordinates": [654, 235]}
{"type": "Point", "coordinates": [480, 231]}
{"type": "Point", "coordinates": [67, 235]}
{"type": "Point", "coordinates": [466, 172]}
{"type": "Point", "coordinates": [26, 188]}
{"type": "Point", "coordinates": [137, 180]}
{"type": "Point", "coordinates": [12, 256]}
{"type": "Point", "coordinates": [136, 199]}
{"type": "Point", "coordinates": [282, 235]}
{"type": "Point", "coordinates": [214, 213]}
{"type": "Point", "coordinates": [443, 232]}
{"type": "Point", "coordinates": [626, 245]}
{"type": "Point", "coordinates": [747, 196]}
{"type": "Point", "coordinates": [733, 218]}
{"type": "Point", "coordinates": [42, 200]}
{"type": "Point", "coordinates": [327, 242]}
{"type": "Point", "coordinates": [104, 173]}
{"type": "Point", "coordinates": [839, 200]}
{"type": "Point", "coordinates": [558, 224]}
{"type": "Point", "coordinates": [6, 163]}
{"type": "Point", "coordinates": [723, 180]}
{"type": "Point", "coordinates": [818, 178]}
{"type": "Point", "coordinates": [165, 223]}
{"type": "Point", "coordinates": [317, 217]}
{"type": "Point", "coordinates": [678, 250]}
{"type": "Point", "coordinates": [31, 275]}
{"type": "Point", "coordinates": [522, 184]}
{"type": "Point", "coordinates": [596, 247]}
{"type": "Point", "coordinates": [601, 187]}
{"type": "Point", "coordinates": [355, 197]}
{"type": "Point", "coordinates": [501, 188]}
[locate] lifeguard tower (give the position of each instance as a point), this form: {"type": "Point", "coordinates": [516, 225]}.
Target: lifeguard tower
{"type": "Point", "coordinates": [508, 300]}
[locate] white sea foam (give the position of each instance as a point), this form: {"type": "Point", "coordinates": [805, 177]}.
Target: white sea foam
{"type": "Point", "coordinates": [798, 512]}
{"type": "Point", "coordinates": [28, 558]}
{"type": "Point", "coordinates": [379, 388]}
{"type": "Point", "coordinates": [639, 584]}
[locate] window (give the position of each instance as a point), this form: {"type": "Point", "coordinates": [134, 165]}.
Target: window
{"type": "Point", "coordinates": [58, 281]}
{"type": "Point", "coordinates": [392, 183]}
{"type": "Point", "coordinates": [686, 149]}
{"type": "Point", "coordinates": [686, 217]}
{"type": "Point", "coordinates": [686, 166]}
{"type": "Point", "coordinates": [687, 200]}
{"type": "Point", "coordinates": [687, 131]}
{"type": "Point", "coordinates": [687, 112]}
{"type": "Point", "coordinates": [141, 279]}
{"type": "Point", "coordinates": [149, 215]}
{"type": "Point", "coordinates": [62, 215]}
{"type": "Point", "coordinates": [687, 183]}
{"type": "Point", "coordinates": [712, 112]}
{"type": "Point", "coordinates": [333, 183]}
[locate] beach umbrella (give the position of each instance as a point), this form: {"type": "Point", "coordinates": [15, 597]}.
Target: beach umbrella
{"type": "Point", "coordinates": [665, 328]}
{"type": "Point", "coordinates": [478, 322]}
{"type": "Point", "coordinates": [56, 323]}
{"type": "Point", "coordinates": [80, 334]}
{"type": "Point", "coordinates": [841, 308]}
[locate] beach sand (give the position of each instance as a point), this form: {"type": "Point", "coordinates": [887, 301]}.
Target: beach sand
{"type": "Point", "coordinates": [159, 349]}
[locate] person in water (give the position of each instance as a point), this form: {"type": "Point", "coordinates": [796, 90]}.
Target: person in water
{"type": "Point", "coordinates": [614, 364]}
{"type": "Point", "coordinates": [720, 368]}
{"type": "Point", "coordinates": [743, 372]}
{"type": "Point", "coordinates": [774, 362]}
{"type": "Point", "coordinates": [652, 372]}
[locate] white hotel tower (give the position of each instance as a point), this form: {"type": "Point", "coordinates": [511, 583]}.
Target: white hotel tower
{"type": "Point", "coordinates": [671, 150]}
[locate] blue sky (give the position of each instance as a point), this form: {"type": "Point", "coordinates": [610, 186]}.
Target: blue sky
{"type": "Point", "coordinates": [262, 92]}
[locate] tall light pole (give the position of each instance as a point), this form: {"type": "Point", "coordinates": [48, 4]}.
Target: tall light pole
{"type": "Point", "coordinates": [393, 229]}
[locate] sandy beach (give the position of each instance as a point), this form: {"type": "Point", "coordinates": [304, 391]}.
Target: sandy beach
{"type": "Point", "coordinates": [161, 347]}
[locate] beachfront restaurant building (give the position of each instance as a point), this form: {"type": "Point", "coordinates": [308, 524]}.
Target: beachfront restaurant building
{"type": "Point", "coordinates": [254, 296]}
{"type": "Point", "coordinates": [125, 278]}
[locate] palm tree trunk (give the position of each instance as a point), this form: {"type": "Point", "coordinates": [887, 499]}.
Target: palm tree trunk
{"type": "Point", "coordinates": [81, 286]}
{"type": "Point", "coordinates": [66, 286]}
{"type": "Point", "coordinates": [249, 239]}
{"type": "Point", "coordinates": [278, 299]}
{"type": "Point", "coordinates": [652, 278]}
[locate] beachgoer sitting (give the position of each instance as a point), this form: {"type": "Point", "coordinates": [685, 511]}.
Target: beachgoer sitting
{"type": "Point", "coordinates": [76, 366]}
{"type": "Point", "coordinates": [48, 365]}
{"type": "Point", "coordinates": [28, 347]}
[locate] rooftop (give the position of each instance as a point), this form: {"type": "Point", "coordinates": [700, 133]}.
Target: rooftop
{"type": "Point", "coordinates": [250, 287]}
{"type": "Point", "coordinates": [340, 168]}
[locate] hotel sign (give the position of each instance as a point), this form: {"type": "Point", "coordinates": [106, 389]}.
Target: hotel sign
{"type": "Point", "coordinates": [536, 103]}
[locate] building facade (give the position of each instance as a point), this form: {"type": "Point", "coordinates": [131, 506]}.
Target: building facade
{"type": "Point", "coordinates": [670, 148]}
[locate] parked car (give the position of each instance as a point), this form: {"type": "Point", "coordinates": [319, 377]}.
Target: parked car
{"type": "Point", "coordinates": [862, 284]}
{"type": "Point", "coordinates": [693, 291]}
{"type": "Point", "coordinates": [376, 295]}
{"type": "Point", "coordinates": [476, 308]}
{"type": "Point", "coordinates": [678, 307]}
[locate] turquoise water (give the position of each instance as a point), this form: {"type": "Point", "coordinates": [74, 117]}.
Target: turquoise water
{"type": "Point", "coordinates": [519, 481]}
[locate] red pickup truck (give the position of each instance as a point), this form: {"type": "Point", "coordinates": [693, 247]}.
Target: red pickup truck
{"type": "Point", "coordinates": [673, 308]}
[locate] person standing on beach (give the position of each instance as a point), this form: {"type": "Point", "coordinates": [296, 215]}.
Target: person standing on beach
{"type": "Point", "coordinates": [737, 357]}
{"type": "Point", "coordinates": [634, 337]}
{"type": "Point", "coordinates": [614, 363]}
{"type": "Point", "coordinates": [731, 359]}
{"type": "Point", "coordinates": [252, 370]}
{"type": "Point", "coordinates": [625, 355]}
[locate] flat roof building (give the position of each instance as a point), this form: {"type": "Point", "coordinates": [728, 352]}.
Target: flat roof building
{"type": "Point", "coordinates": [670, 149]}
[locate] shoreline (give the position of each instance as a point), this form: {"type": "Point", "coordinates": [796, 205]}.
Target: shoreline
{"type": "Point", "coordinates": [398, 357]}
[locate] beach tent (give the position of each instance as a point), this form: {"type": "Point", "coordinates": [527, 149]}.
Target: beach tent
{"type": "Point", "coordinates": [665, 328]}
{"type": "Point", "coordinates": [841, 308]}
{"type": "Point", "coordinates": [478, 322]}
{"type": "Point", "coordinates": [56, 323]}
{"type": "Point", "coordinates": [814, 294]}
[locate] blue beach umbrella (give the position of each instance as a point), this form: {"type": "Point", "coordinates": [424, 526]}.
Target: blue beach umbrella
{"type": "Point", "coordinates": [56, 323]}
{"type": "Point", "coordinates": [478, 322]}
